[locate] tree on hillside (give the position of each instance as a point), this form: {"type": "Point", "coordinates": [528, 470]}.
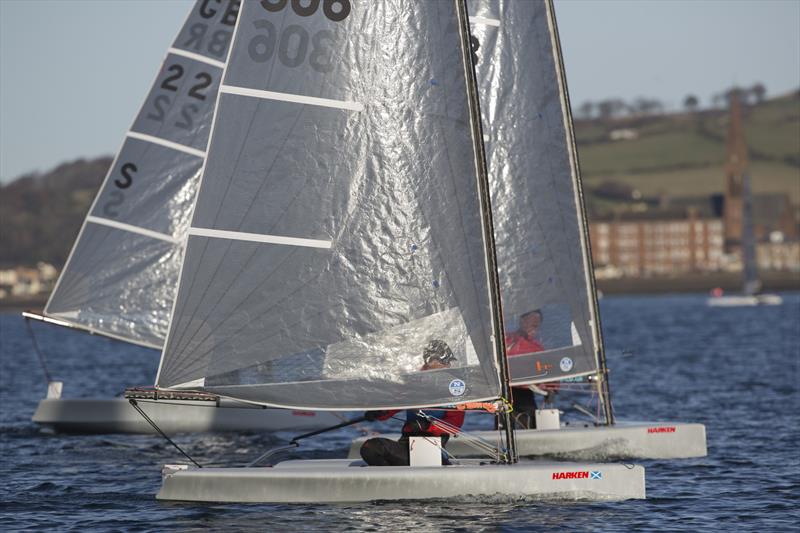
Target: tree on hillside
{"type": "Point", "coordinates": [586, 109]}
{"type": "Point", "coordinates": [647, 106]}
{"type": "Point", "coordinates": [744, 96]}
{"type": "Point", "coordinates": [690, 103]}
{"type": "Point", "coordinates": [42, 213]}
{"type": "Point", "coordinates": [759, 92]}
{"type": "Point", "coordinates": [611, 108]}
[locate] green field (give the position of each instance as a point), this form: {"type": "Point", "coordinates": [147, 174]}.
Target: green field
{"type": "Point", "coordinates": [683, 154]}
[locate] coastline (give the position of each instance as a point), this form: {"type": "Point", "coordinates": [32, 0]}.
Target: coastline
{"type": "Point", "coordinates": [700, 283]}
{"type": "Point", "coordinates": [730, 282]}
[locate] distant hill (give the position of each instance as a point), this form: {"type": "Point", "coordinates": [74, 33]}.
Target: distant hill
{"type": "Point", "coordinates": [679, 155]}
{"type": "Point", "coordinates": [683, 154]}
{"type": "Point", "coordinates": [41, 214]}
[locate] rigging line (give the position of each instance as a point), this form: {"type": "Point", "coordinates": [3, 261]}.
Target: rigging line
{"type": "Point", "coordinates": [471, 440]}
{"type": "Point", "coordinates": [39, 354]}
{"type": "Point", "coordinates": [136, 406]}
{"type": "Point", "coordinates": [254, 197]}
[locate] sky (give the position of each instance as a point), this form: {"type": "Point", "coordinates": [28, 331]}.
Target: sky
{"type": "Point", "coordinates": [74, 73]}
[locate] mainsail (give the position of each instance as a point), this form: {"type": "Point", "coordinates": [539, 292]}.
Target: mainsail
{"type": "Point", "coordinates": [537, 205]}
{"type": "Point", "coordinates": [338, 227]}
{"type": "Point", "coordinates": [120, 279]}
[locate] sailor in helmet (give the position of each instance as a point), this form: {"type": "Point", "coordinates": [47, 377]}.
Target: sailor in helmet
{"type": "Point", "coordinates": [380, 451]}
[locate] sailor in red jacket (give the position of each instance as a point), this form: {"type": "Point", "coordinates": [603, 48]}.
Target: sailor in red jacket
{"type": "Point", "coordinates": [524, 341]}
{"type": "Point", "coordinates": [380, 451]}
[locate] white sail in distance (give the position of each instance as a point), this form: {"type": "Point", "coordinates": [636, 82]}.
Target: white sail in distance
{"type": "Point", "coordinates": [539, 220]}
{"type": "Point", "coordinates": [120, 279]}
{"type": "Point", "coordinates": [338, 229]}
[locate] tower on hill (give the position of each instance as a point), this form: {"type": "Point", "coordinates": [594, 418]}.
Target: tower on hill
{"type": "Point", "coordinates": [735, 170]}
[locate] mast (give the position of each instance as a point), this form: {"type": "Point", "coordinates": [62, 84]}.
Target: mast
{"type": "Point", "coordinates": [752, 285]}
{"type": "Point", "coordinates": [488, 226]}
{"type": "Point", "coordinates": [603, 387]}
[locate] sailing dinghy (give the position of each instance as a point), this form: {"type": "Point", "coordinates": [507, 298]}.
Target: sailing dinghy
{"type": "Point", "coordinates": [736, 168]}
{"type": "Point", "coordinates": [120, 278]}
{"type": "Point", "coordinates": [343, 223]}
{"type": "Point", "coordinates": [543, 258]}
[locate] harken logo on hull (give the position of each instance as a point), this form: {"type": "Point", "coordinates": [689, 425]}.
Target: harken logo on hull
{"type": "Point", "coordinates": [662, 429]}
{"type": "Point", "coordinates": [583, 474]}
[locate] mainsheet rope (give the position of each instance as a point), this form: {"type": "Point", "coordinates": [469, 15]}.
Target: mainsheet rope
{"type": "Point", "coordinates": [39, 355]}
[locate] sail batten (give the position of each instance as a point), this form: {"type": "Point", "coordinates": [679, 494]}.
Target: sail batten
{"type": "Point", "coordinates": [257, 237]}
{"type": "Point", "coordinates": [197, 57]}
{"type": "Point", "coordinates": [166, 143]}
{"type": "Point", "coordinates": [296, 98]}
{"type": "Point", "coordinates": [131, 228]}
{"type": "Point", "coordinates": [352, 132]}
{"type": "Point", "coordinates": [485, 21]}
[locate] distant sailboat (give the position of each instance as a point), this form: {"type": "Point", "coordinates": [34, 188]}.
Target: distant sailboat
{"type": "Point", "coordinates": [342, 224]}
{"type": "Point", "coordinates": [738, 175]}
{"type": "Point", "coordinates": [121, 276]}
{"type": "Point", "coordinates": [543, 244]}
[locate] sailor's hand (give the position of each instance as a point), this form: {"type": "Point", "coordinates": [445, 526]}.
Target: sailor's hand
{"type": "Point", "coordinates": [371, 416]}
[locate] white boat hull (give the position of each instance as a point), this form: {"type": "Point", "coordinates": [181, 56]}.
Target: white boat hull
{"type": "Point", "coordinates": [116, 415]}
{"type": "Point", "coordinates": [622, 441]}
{"type": "Point", "coordinates": [744, 301]}
{"type": "Point", "coordinates": [344, 480]}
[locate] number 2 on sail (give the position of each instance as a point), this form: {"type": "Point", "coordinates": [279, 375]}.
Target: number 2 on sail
{"type": "Point", "coordinates": [161, 102]}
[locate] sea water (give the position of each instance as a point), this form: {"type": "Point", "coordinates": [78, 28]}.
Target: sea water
{"type": "Point", "coordinates": [736, 370]}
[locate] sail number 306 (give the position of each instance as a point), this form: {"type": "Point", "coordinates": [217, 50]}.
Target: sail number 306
{"type": "Point", "coordinates": [293, 41]}
{"type": "Point", "coordinates": [335, 10]}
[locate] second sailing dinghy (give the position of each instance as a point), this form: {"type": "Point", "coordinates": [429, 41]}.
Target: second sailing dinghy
{"type": "Point", "coordinates": [121, 276]}
{"type": "Point", "coordinates": [547, 287]}
{"type": "Point", "coordinates": [342, 225]}
{"type": "Point", "coordinates": [739, 214]}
